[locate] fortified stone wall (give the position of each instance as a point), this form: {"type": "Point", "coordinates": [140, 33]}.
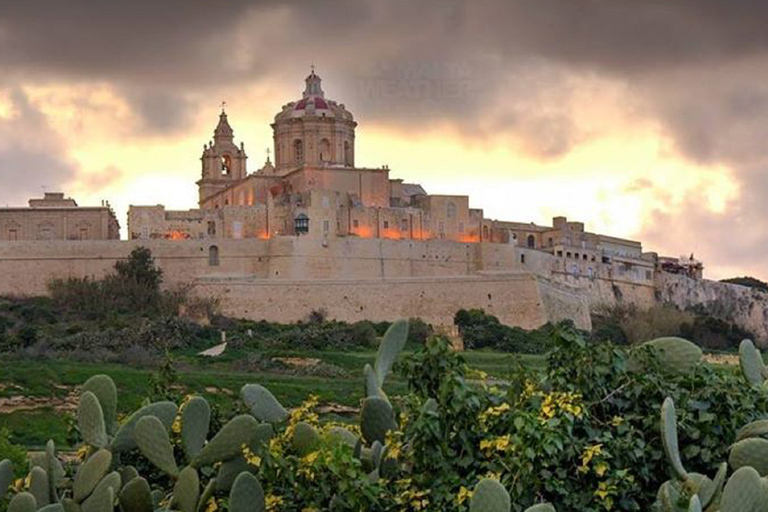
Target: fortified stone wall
{"type": "Point", "coordinates": [744, 306]}
{"type": "Point", "coordinates": [284, 278]}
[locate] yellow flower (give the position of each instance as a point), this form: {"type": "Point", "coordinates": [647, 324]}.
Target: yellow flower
{"type": "Point", "coordinates": [274, 503]}
{"type": "Point", "coordinates": [250, 457]}
{"type": "Point", "coordinates": [601, 468]}
{"type": "Point", "coordinates": [464, 495]}
{"type": "Point", "coordinates": [617, 420]}
{"type": "Point", "coordinates": [588, 454]}
{"type": "Point", "coordinates": [212, 506]}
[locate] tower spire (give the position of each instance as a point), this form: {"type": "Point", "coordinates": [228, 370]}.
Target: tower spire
{"type": "Point", "coordinates": [313, 87]}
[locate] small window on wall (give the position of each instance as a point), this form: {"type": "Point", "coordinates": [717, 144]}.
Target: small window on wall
{"type": "Point", "coordinates": [13, 235]}
{"type": "Point", "coordinates": [213, 256]}
{"type": "Point", "coordinates": [83, 235]}
{"type": "Point", "coordinates": [485, 232]}
{"type": "Point", "coordinates": [386, 224]}
{"type": "Point", "coordinates": [522, 259]}
{"type": "Point", "coordinates": [355, 223]}
{"type": "Point", "coordinates": [532, 241]}
{"type": "Point", "coordinates": [211, 228]}
{"type": "Point", "coordinates": [298, 151]}
{"type": "Point", "coordinates": [451, 210]}
{"type": "Point", "coordinates": [301, 224]}
{"type": "Point", "coordinates": [326, 226]}
{"type": "Point", "coordinates": [404, 225]}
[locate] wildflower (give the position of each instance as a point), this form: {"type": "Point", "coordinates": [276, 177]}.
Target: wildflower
{"type": "Point", "coordinates": [464, 495]}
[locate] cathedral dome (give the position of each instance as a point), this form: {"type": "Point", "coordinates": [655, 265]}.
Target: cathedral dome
{"type": "Point", "coordinates": [314, 103]}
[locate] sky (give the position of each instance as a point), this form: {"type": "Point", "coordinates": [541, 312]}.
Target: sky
{"type": "Point", "coordinates": [645, 119]}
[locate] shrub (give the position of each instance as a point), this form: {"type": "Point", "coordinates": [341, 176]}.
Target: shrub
{"type": "Point", "coordinates": [16, 454]}
{"type": "Point", "coordinates": [480, 330]}
{"type": "Point", "coordinates": [748, 281]}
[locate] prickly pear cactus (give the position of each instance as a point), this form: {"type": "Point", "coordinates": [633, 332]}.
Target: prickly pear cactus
{"type": "Point", "coordinates": [152, 439]}
{"type": "Point", "coordinates": [38, 486]}
{"type": "Point", "coordinates": [90, 474]}
{"type": "Point", "coordinates": [490, 496]}
{"type": "Point", "coordinates": [90, 418]}
{"type": "Point", "coordinates": [752, 452]}
{"type": "Point", "coordinates": [124, 439]}
{"type": "Point", "coordinates": [262, 404]}
{"type": "Point", "coordinates": [745, 492]}
{"type": "Point", "coordinates": [187, 490]}
{"type": "Point", "coordinates": [22, 502]}
{"type": "Point", "coordinates": [195, 421]}
{"type": "Point", "coordinates": [103, 387]}
{"type": "Point", "coordinates": [669, 438]}
{"type": "Point", "coordinates": [136, 496]}
{"type": "Point", "coordinates": [376, 419]}
{"type": "Point", "coordinates": [541, 507]}
{"type": "Point", "coordinates": [228, 442]}
{"type": "Point", "coordinates": [6, 476]}
{"type": "Point", "coordinates": [391, 345]}
{"type": "Point", "coordinates": [751, 363]}
{"type": "Point", "coordinates": [246, 495]}
{"type": "Point", "coordinates": [305, 438]}
{"type": "Point", "coordinates": [675, 356]}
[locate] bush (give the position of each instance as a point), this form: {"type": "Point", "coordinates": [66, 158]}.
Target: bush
{"type": "Point", "coordinates": [480, 330]}
{"type": "Point", "coordinates": [13, 452]}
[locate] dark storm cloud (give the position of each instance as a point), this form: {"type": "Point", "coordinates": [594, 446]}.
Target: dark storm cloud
{"type": "Point", "coordinates": [30, 154]}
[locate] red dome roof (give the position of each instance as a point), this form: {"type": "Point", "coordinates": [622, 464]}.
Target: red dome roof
{"type": "Point", "coordinates": [316, 100]}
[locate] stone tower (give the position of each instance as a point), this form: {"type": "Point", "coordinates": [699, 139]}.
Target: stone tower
{"type": "Point", "coordinates": [313, 131]}
{"type": "Point", "coordinates": [223, 162]}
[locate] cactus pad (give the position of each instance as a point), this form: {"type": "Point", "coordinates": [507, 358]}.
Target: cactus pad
{"type": "Point", "coordinates": [305, 438]}
{"type": "Point", "coordinates": [541, 507]}
{"type": "Point", "coordinates": [90, 474]}
{"type": "Point", "coordinates": [136, 496]}
{"type": "Point", "coordinates": [376, 419]}
{"type": "Point", "coordinates": [262, 404]}
{"type": "Point", "coordinates": [187, 490]}
{"type": "Point", "coordinates": [102, 501]}
{"type": "Point", "coordinates": [228, 442]}
{"type": "Point", "coordinates": [6, 476]}
{"type": "Point", "coordinates": [164, 411]}
{"type": "Point", "coordinates": [152, 439]}
{"type": "Point", "coordinates": [745, 492]}
{"type": "Point", "coordinates": [752, 452]}
{"type": "Point", "coordinates": [751, 362]}
{"type": "Point", "coordinates": [90, 419]}
{"type": "Point", "coordinates": [246, 495]}
{"type": "Point", "coordinates": [229, 470]}
{"type": "Point", "coordinates": [23, 502]}
{"type": "Point", "coordinates": [195, 421]}
{"type": "Point", "coordinates": [669, 438]}
{"type": "Point", "coordinates": [53, 507]}
{"type": "Point", "coordinates": [490, 496]}
{"type": "Point", "coordinates": [757, 428]}
{"type": "Point", "coordinates": [676, 356]}
{"type": "Point", "coordinates": [104, 388]}
{"type": "Point", "coordinates": [340, 435]}
{"type": "Point", "coordinates": [38, 486]}
{"type": "Point", "coordinates": [391, 345]}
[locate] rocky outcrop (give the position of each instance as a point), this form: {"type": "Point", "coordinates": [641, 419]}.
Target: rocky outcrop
{"type": "Point", "coordinates": [741, 305]}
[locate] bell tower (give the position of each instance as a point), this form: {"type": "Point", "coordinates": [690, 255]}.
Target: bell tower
{"type": "Point", "coordinates": [223, 162]}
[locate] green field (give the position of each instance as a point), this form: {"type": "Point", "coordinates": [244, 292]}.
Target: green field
{"type": "Point", "coordinates": [45, 385]}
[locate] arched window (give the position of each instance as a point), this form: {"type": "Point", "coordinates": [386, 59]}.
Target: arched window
{"type": "Point", "coordinates": [325, 151]}
{"type": "Point", "coordinates": [485, 232]}
{"type": "Point", "coordinates": [226, 165]}
{"type": "Point", "coordinates": [213, 256]}
{"type": "Point", "coordinates": [298, 151]}
{"type": "Point", "coordinates": [451, 210]}
{"type": "Point", "coordinates": [531, 241]}
{"type": "Point", "coordinates": [347, 154]}
{"type": "Point", "coordinates": [301, 224]}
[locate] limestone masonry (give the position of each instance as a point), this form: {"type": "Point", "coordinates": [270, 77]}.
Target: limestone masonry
{"type": "Point", "coordinates": [313, 230]}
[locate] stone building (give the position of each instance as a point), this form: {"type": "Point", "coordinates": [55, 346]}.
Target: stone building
{"type": "Point", "coordinates": [55, 217]}
{"type": "Point", "coordinates": [315, 190]}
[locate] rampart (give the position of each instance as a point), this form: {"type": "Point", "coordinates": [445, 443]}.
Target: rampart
{"type": "Point", "coordinates": [285, 278]}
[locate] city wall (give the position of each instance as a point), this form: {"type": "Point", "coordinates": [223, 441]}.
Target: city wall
{"type": "Point", "coordinates": [285, 278]}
